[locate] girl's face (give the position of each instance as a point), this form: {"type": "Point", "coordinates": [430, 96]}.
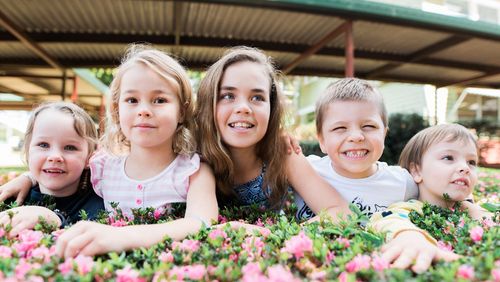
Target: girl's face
{"type": "Point", "coordinates": [57, 154]}
{"type": "Point", "coordinates": [149, 108]}
{"type": "Point", "coordinates": [447, 168]}
{"type": "Point", "coordinates": [353, 135]}
{"type": "Point", "coordinates": [243, 105]}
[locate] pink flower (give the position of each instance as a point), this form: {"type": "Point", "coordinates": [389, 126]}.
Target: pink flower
{"type": "Point", "coordinates": [2, 232]}
{"type": "Point", "coordinates": [119, 223]}
{"type": "Point", "coordinates": [187, 245]}
{"type": "Point", "coordinates": [40, 253]}
{"type": "Point", "coordinates": [84, 264]}
{"type": "Point", "coordinates": [329, 257]}
{"type": "Point", "coordinates": [195, 272]}
{"type": "Point", "coordinates": [476, 233]}
{"type": "Point", "coordinates": [28, 239]}
{"type": "Point", "coordinates": [487, 222]}
{"type": "Point", "coordinates": [57, 233]}
{"type": "Point", "coordinates": [221, 219]}
{"type": "Point", "coordinates": [495, 273]}
{"type": "Point", "coordinates": [344, 241]}
{"type": "Point", "coordinates": [5, 252]}
{"type": "Point", "coordinates": [379, 264]}
{"type": "Point", "coordinates": [465, 272]}
{"type": "Point", "coordinates": [298, 245]}
{"type": "Point", "coordinates": [66, 267]}
{"type": "Point", "coordinates": [278, 273]}
{"type": "Point", "coordinates": [253, 246]}
{"type": "Point", "coordinates": [265, 232]}
{"type": "Point", "coordinates": [259, 222]}
{"type": "Point", "coordinates": [343, 277]}
{"type": "Point", "coordinates": [217, 233]}
{"type": "Point", "coordinates": [461, 223]}
{"type": "Point", "coordinates": [158, 213]}
{"type": "Point", "coordinates": [358, 263]}
{"type": "Point", "coordinates": [22, 268]}
{"type": "Point", "coordinates": [128, 275]}
{"type": "Point", "coordinates": [318, 275]}
{"type": "Point", "coordinates": [166, 257]}
{"type": "Point", "coordinates": [444, 246]}
{"type": "Point", "coordinates": [251, 268]}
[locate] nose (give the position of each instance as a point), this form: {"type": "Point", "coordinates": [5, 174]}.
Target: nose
{"type": "Point", "coordinates": [464, 169]}
{"type": "Point", "coordinates": [242, 107]}
{"type": "Point", "coordinates": [55, 156]}
{"type": "Point", "coordinates": [356, 136]}
{"type": "Point", "coordinates": [144, 111]}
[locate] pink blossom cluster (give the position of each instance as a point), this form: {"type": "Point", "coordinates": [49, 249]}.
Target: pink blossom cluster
{"type": "Point", "coordinates": [298, 245]}
{"type": "Point", "coordinates": [364, 262]}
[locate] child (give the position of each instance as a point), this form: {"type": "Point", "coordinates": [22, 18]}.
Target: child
{"type": "Point", "coordinates": [151, 122]}
{"type": "Point", "coordinates": [351, 121]}
{"type": "Point", "coordinates": [442, 160]}
{"type": "Point", "coordinates": [240, 135]}
{"type": "Point", "coordinates": [59, 140]}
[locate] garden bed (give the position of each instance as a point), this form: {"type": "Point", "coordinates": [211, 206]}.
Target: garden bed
{"type": "Point", "coordinates": [287, 251]}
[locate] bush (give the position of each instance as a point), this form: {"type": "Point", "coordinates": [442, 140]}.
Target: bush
{"type": "Point", "coordinates": [311, 148]}
{"type": "Point", "coordinates": [402, 127]}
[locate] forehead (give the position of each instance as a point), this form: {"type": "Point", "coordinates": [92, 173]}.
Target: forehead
{"type": "Point", "coordinates": [461, 145]}
{"type": "Point", "coordinates": [45, 121]}
{"type": "Point", "coordinates": [340, 110]}
{"type": "Point", "coordinates": [246, 74]}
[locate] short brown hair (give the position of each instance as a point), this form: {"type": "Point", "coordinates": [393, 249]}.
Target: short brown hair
{"type": "Point", "coordinates": [349, 89]}
{"type": "Point", "coordinates": [419, 144]}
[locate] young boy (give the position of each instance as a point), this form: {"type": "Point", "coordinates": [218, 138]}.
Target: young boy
{"type": "Point", "coordinates": [351, 121]}
{"type": "Point", "coordinates": [442, 160]}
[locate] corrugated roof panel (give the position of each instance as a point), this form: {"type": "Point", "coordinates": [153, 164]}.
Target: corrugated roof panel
{"type": "Point", "coordinates": [486, 51]}
{"type": "Point", "coordinates": [15, 50]}
{"type": "Point", "coordinates": [92, 16]}
{"type": "Point", "coordinates": [338, 63]}
{"type": "Point", "coordinates": [386, 38]}
{"type": "Point", "coordinates": [255, 24]}
{"type": "Point", "coordinates": [431, 73]}
{"type": "Point", "coordinates": [85, 51]}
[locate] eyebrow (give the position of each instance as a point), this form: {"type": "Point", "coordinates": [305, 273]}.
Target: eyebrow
{"type": "Point", "coordinates": [257, 90]}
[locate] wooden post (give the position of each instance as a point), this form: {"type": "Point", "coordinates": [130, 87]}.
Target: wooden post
{"type": "Point", "coordinates": [349, 50]}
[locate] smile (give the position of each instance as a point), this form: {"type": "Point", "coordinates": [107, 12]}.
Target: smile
{"type": "Point", "coordinates": [53, 170]}
{"type": "Point", "coordinates": [241, 125]}
{"type": "Point", "coordinates": [356, 153]}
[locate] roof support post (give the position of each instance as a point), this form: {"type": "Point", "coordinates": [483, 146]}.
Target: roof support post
{"type": "Point", "coordinates": [349, 50]}
{"type": "Point", "coordinates": [74, 95]}
{"type": "Point", "coordinates": [63, 88]}
{"type": "Point", "coordinates": [316, 47]}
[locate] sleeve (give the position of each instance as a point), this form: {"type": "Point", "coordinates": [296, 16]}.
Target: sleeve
{"type": "Point", "coordinates": [395, 220]}
{"type": "Point", "coordinates": [411, 187]}
{"type": "Point", "coordinates": [97, 163]}
{"type": "Point", "coordinates": [187, 166]}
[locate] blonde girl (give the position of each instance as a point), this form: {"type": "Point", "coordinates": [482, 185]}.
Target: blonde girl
{"type": "Point", "coordinates": [240, 135]}
{"type": "Point", "coordinates": [59, 140]}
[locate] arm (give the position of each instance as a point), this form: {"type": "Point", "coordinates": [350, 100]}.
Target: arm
{"type": "Point", "coordinates": [476, 211]}
{"type": "Point", "coordinates": [92, 238]}
{"type": "Point", "coordinates": [17, 187]}
{"type": "Point", "coordinates": [407, 244]}
{"type": "Point", "coordinates": [315, 191]}
{"type": "Point", "coordinates": [26, 217]}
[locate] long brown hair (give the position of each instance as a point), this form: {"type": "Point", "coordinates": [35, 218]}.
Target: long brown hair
{"type": "Point", "coordinates": [271, 149]}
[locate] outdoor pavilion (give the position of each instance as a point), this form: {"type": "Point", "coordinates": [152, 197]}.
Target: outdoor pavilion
{"type": "Point", "coordinates": [44, 44]}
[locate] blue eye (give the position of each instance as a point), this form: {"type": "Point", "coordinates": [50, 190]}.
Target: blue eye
{"type": "Point", "coordinates": [70, 148]}
{"type": "Point", "coordinates": [226, 96]}
{"type": "Point", "coordinates": [44, 145]}
{"type": "Point", "coordinates": [258, 98]}
{"type": "Point", "coordinates": [472, 163]}
{"type": "Point", "coordinates": [131, 100]}
{"type": "Point", "coordinates": [447, 158]}
{"type": "Point", "coordinates": [160, 100]}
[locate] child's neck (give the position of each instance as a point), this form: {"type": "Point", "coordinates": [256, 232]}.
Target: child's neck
{"type": "Point", "coordinates": [425, 196]}
{"type": "Point", "coordinates": [247, 165]}
{"type": "Point", "coordinates": [63, 192]}
{"type": "Point", "coordinates": [144, 163]}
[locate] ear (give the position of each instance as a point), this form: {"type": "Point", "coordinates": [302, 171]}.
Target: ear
{"type": "Point", "coordinates": [182, 112]}
{"type": "Point", "coordinates": [415, 173]}
{"type": "Point", "coordinates": [385, 131]}
{"type": "Point", "coordinates": [321, 141]}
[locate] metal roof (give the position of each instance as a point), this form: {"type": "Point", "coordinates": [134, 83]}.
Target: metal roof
{"type": "Point", "coordinates": [43, 37]}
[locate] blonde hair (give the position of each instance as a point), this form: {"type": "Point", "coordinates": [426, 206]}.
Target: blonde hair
{"type": "Point", "coordinates": [418, 145]}
{"type": "Point", "coordinates": [83, 124]}
{"type": "Point", "coordinates": [169, 69]}
{"type": "Point", "coordinates": [271, 149]}
{"type": "Point", "coordinates": [349, 89]}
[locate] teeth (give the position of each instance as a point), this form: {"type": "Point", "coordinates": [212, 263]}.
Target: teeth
{"type": "Point", "coordinates": [460, 182]}
{"type": "Point", "coordinates": [241, 124]}
{"type": "Point", "coordinates": [356, 154]}
{"type": "Point", "coordinates": [53, 171]}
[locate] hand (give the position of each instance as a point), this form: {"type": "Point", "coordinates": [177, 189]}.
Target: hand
{"type": "Point", "coordinates": [17, 187]}
{"type": "Point", "coordinates": [476, 211]}
{"type": "Point", "coordinates": [411, 247]}
{"type": "Point", "coordinates": [26, 217]}
{"type": "Point", "coordinates": [91, 238]}
{"type": "Point", "coordinates": [292, 144]}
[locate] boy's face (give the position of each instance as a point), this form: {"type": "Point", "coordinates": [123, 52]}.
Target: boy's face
{"type": "Point", "coordinates": [57, 154]}
{"type": "Point", "coordinates": [447, 168]}
{"type": "Point", "coordinates": [353, 135]}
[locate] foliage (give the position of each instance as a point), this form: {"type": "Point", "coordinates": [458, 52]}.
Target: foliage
{"type": "Point", "coordinates": [284, 250]}
{"type": "Point", "coordinates": [482, 126]}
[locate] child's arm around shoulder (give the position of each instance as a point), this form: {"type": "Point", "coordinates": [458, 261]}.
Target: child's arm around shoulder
{"type": "Point", "coordinates": [317, 192]}
{"type": "Point", "coordinates": [476, 211]}
{"type": "Point", "coordinates": [90, 238]}
{"type": "Point", "coordinates": [17, 187]}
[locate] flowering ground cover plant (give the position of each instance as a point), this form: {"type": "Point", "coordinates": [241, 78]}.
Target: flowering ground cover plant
{"type": "Point", "coordinates": [284, 251]}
